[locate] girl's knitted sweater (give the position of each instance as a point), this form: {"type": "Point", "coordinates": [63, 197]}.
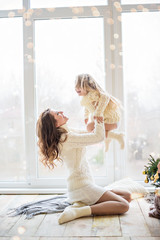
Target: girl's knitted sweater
{"type": "Point", "coordinates": [73, 153]}
{"type": "Point", "coordinates": [101, 104]}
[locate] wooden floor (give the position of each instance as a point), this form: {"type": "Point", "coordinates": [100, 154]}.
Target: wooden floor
{"type": "Point", "coordinates": [134, 225]}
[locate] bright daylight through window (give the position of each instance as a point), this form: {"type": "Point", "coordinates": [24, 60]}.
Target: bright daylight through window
{"type": "Point", "coordinates": [44, 45]}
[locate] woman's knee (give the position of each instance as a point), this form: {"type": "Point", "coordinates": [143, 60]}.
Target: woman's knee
{"type": "Point", "coordinates": [128, 196]}
{"type": "Point", "coordinates": [124, 207]}
{"type": "Point", "coordinates": [123, 193]}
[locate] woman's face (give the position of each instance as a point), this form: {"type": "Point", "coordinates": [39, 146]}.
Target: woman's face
{"type": "Point", "coordinates": [60, 118]}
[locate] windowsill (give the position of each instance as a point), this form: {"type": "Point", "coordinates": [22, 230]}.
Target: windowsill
{"type": "Point", "coordinates": [45, 190]}
{"type": "Point", "coordinates": [32, 190]}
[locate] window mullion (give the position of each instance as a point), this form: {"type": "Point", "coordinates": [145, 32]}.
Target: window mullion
{"type": "Point", "coordinates": [118, 88]}
{"type": "Point", "coordinates": [26, 4]}
{"type": "Point", "coordinates": [65, 12]}
{"type": "Point", "coordinates": [140, 7]}
{"type": "Point", "coordinates": [108, 56]}
{"type": "Point", "coordinates": [29, 97]}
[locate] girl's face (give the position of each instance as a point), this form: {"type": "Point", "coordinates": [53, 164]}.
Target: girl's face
{"type": "Point", "coordinates": [81, 91]}
{"type": "Point", "coordinates": [60, 118]}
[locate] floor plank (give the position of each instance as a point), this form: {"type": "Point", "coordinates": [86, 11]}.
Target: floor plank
{"type": "Point", "coordinates": [153, 223]}
{"type": "Point", "coordinates": [4, 202]}
{"type": "Point", "coordinates": [134, 225]}
{"type": "Point", "coordinates": [79, 227]}
{"type": "Point", "coordinates": [133, 222]}
{"type": "Point", "coordinates": [7, 223]}
{"type": "Point", "coordinates": [5, 238]}
{"type": "Point", "coordinates": [85, 238]}
{"type": "Point", "coordinates": [16, 237]}
{"type": "Point", "coordinates": [28, 227]}
{"type": "Point", "coordinates": [106, 226]}
{"type": "Point", "coordinates": [50, 227]}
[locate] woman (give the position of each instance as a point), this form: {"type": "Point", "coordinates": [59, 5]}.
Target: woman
{"type": "Point", "coordinates": [58, 142]}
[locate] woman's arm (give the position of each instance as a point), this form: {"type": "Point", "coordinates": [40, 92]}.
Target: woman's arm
{"type": "Point", "coordinates": [75, 130]}
{"type": "Point", "coordinates": [76, 140]}
{"type": "Point", "coordinates": [86, 113]}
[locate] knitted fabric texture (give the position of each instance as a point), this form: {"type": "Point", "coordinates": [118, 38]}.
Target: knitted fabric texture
{"type": "Point", "coordinates": [73, 153]}
{"type": "Point", "coordinates": [101, 105]}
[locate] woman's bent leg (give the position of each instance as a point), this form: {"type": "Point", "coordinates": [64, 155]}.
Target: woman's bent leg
{"type": "Point", "coordinates": [110, 203]}
{"type": "Point", "coordinates": [123, 193]}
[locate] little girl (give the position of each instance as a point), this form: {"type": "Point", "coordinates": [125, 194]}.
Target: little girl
{"type": "Point", "coordinates": [101, 106]}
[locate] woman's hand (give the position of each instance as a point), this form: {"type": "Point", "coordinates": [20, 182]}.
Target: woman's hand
{"type": "Point", "coordinates": [86, 120]}
{"type": "Point", "coordinates": [99, 119]}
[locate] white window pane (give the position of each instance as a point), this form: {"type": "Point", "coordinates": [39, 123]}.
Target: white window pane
{"type": "Point", "coordinates": [65, 48]}
{"type": "Point", "coordinates": [65, 3]}
{"type": "Point", "coordinates": [11, 101]}
{"type": "Point", "coordinates": [10, 4]}
{"type": "Point", "coordinates": [139, 1]}
{"type": "Point", "coordinates": [141, 55]}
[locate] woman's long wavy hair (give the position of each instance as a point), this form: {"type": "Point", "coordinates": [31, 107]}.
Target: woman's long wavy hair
{"type": "Point", "coordinates": [50, 139]}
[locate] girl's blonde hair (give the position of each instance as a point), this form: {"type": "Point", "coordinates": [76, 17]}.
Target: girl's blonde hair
{"type": "Point", "coordinates": [49, 139]}
{"type": "Point", "coordinates": [88, 83]}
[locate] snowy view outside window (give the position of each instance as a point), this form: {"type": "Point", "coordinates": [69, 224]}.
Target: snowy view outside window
{"type": "Point", "coordinates": [63, 49]}
{"type": "Point", "coordinates": [13, 166]}
{"type": "Point", "coordinates": [10, 4]}
{"type": "Point", "coordinates": [141, 55]}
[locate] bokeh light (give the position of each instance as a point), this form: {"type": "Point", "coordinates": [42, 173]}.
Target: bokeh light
{"type": "Point", "coordinates": [21, 230]}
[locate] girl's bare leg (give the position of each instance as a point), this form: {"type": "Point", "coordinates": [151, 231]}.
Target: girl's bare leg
{"type": "Point", "coordinates": [109, 127]}
{"type": "Point", "coordinates": [110, 203]}
{"type": "Point", "coordinates": [112, 135]}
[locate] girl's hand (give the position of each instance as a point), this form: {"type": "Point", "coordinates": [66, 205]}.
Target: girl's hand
{"type": "Point", "coordinates": [86, 120]}
{"type": "Point", "coordinates": [99, 119]}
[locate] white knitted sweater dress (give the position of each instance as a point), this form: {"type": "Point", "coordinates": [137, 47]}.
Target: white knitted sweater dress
{"type": "Point", "coordinates": [80, 182]}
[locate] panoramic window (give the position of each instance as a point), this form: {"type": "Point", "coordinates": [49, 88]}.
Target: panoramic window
{"type": "Point", "coordinates": [12, 158]}
{"type": "Point", "coordinates": [141, 55]}
{"type": "Point", "coordinates": [73, 46]}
